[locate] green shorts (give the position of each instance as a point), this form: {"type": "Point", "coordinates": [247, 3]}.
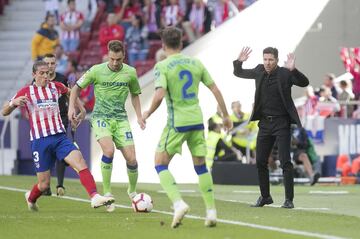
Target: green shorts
{"type": "Point", "coordinates": [119, 130]}
{"type": "Point", "coordinates": [171, 141]}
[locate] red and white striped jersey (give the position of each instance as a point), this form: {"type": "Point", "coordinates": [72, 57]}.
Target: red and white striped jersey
{"type": "Point", "coordinates": [70, 19]}
{"type": "Point", "coordinates": [43, 108]}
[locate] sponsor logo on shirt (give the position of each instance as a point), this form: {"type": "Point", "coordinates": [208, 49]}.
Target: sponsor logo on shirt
{"type": "Point", "coordinates": [109, 84]}
{"type": "Point", "coordinates": [42, 104]}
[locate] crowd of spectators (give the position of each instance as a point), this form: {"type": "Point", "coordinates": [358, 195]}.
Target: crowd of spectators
{"type": "Point", "coordinates": [336, 97]}
{"type": "Point", "coordinates": [78, 31]}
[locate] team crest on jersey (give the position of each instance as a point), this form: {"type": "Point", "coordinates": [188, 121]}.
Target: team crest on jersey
{"type": "Point", "coordinates": [53, 91]}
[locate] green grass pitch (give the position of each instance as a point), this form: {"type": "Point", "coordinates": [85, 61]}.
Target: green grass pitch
{"type": "Point", "coordinates": [321, 212]}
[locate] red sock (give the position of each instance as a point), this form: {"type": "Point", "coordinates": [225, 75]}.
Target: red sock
{"type": "Point", "coordinates": [87, 180]}
{"type": "Point", "coordinates": [34, 194]}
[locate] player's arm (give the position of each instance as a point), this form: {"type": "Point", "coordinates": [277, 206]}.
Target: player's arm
{"type": "Point", "coordinates": [73, 99]}
{"type": "Point", "coordinates": [135, 100]}
{"type": "Point", "coordinates": [11, 105]}
{"type": "Point", "coordinates": [220, 100]}
{"type": "Point", "coordinates": [85, 80]}
{"type": "Point", "coordinates": [238, 70]}
{"type": "Point", "coordinates": [155, 103]}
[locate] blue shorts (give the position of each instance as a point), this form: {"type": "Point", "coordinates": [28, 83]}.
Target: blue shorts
{"type": "Point", "coordinates": [46, 150]}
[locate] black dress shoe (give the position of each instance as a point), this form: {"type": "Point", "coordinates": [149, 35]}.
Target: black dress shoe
{"type": "Point", "coordinates": [315, 179]}
{"type": "Point", "coordinates": [288, 204]}
{"type": "Point", "coordinates": [263, 201]}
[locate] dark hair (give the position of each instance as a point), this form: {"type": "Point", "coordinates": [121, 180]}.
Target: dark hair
{"type": "Point", "coordinates": [49, 55]}
{"type": "Point", "coordinates": [171, 37]}
{"type": "Point", "coordinates": [116, 46]}
{"type": "Point", "coordinates": [48, 16]}
{"type": "Point", "coordinates": [37, 64]}
{"type": "Point", "coordinates": [343, 83]}
{"type": "Point", "coordinates": [271, 50]}
{"type": "Point", "coordinates": [69, 1]}
{"type": "Point", "coordinates": [141, 21]}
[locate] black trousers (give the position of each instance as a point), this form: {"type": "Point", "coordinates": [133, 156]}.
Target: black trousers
{"type": "Point", "coordinates": [273, 129]}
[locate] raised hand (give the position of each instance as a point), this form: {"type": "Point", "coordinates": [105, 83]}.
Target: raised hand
{"type": "Point", "coordinates": [244, 54]}
{"type": "Point", "coordinates": [290, 62]}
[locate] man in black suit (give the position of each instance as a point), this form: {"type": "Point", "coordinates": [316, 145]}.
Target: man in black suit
{"type": "Point", "coordinates": [275, 109]}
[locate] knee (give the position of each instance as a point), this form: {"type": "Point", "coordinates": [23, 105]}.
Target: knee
{"type": "Point", "coordinates": [108, 152]}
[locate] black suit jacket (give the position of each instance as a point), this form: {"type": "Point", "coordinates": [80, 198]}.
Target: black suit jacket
{"type": "Point", "coordinates": [286, 79]}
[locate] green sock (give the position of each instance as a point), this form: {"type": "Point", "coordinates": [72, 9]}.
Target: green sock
{"type": "Point", "coordinates": [106, 169]}
{"type": "Point", "coordinates": [207, 190]}
{"type": "Point", "coordinates": [168, 183]}
{"type": "Point", "coordinates": [132, 172]}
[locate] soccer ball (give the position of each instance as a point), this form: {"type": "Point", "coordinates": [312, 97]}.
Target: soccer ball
{"type": "Point", "coordinates": [142, 202]}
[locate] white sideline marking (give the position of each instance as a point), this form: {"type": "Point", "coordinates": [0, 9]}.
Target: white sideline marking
{"type": "Point", "coordinates": [182, 191]}
{"type": "Point", "coordinates": [245, 192]}
{"type": "Point", "coordinates": [274, 205]}
{"type": "Point", "coordinates": [329, 192]}
{"type": "Point", "coordinates": [239, 223]}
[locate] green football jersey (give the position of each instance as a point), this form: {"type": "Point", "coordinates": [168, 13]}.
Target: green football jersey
{"type": "Point", "coordinates": [180, 76]}
{"type": "Point", "coordinates": [111, 89]}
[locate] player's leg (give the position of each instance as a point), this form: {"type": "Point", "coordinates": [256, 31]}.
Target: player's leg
{"type": "Point", "coordinates": [170, 144]}
{"type": "Point", "coordinates": [37, 190]}
{"type": "Point", "coordinates": [124, 141]}
{"type": "Point", "coordinates": [132, 168]}
{"type": "Point", "coordinates": [103, 134]}
{"type": "Point", "coordinates": [197, 145]}
{"type": "Point", "coordinates": [66, 150]}
{"type": "Point", "coordinates": [43, 159]}
{"type": "Point", "coordinates": [60, 175]}
{"type": "Point", "coordinates": [107, 146]}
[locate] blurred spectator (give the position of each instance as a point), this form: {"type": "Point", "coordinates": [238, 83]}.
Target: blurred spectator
{"type": "Point", "coordinates": [110, 31]}
{"type": "Point", "coordinates": [136, 40]}
{"type": "Point", "coordinates": [172, 15]}
{"type": "Point", "coordinates": [52, 7]}
{"type": "Point", "coordinates": [221, 12]}
{"type": "Point", "coordinates": [61, 59]}
{"type": "Point", "coordinates": [311, 101]}
{"type": "Point", "coordinates": [345, 96]}
{"type": "Point", "coordinates": [217, 117]}
{"type": "Point", "coordinates": [304, 153]}
{"type": "Point", "coordinates": [217, 147]}
{"type": "Point", "coordinates": [88, 8]}
{"type": "Point", "coordinates": [351, 60]}
{"type": "Point", "coordinates": [329, 82]}
{"type": "Point", "coordinates": [126, 12]}
{"type": "Point", "coordinates": [45, 39]}
{"type": "Point", "coordinates": [327, 104]}
{"type": "Point", "coordinates": [199, 21]}
{"type": "Point", "coordinates": [149, 12]}
{"type": "Point", "coordinates": [244, 132]}
{"type": "Point", "coordinates": [109, 6]}
{"type": "Point", "coordinates": [71, 73]}
{"type": "Point", "coordinates": [242, 4]}
{"type": "Point", "coordinates": [70, 23]}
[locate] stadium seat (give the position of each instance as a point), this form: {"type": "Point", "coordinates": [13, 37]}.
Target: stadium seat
{"type": "Point", "coordinates": [75, 55]}
{"type": "Point", "coordinates": [144, 66]}
{"type": "Point", "coordinates": [154, 46]}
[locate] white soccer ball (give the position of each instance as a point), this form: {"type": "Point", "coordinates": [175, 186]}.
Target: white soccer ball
{"type": "Point", "coordinates": [142, 202]}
